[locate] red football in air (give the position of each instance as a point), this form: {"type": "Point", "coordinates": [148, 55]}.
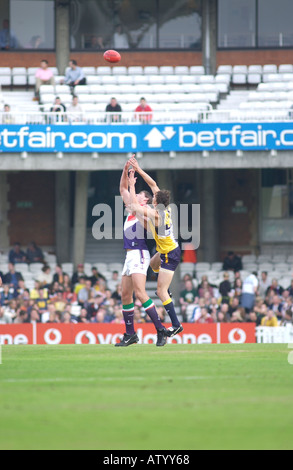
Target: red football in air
{"type": "Point", "coordinates": [112, 56]}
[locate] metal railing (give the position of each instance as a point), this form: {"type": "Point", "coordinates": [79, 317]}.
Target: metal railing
{"type": "Point", "coordinates": [166, 116]}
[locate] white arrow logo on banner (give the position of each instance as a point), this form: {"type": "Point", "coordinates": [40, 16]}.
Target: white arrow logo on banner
{"type": "Point", "coordinates": [169, 132]}
{"type": "Point", "coordinates": [155, 137]}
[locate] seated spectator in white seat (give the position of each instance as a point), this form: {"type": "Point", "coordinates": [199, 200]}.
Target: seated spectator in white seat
{"type": "Point", "coordinates": [114, 281]}
{"type": "Point", "coordinates": [75, 112]}
{"type": "Point", "coordinates": [34, 253]}
{"type": "Point", "coordinates": [74, 75]}
{"type": "Point", "coordinates": [232, 262]}
{"type": "Point", "coordinates": [58, 107]}
{"type": "Point", "coordinates": [46, 277]}
{"type": "Point", "coordinates": [7, 117]}
{"type": "Point", "coordinates": [44, 76]}
{"type": "Point", "coordinates": [114, 107]}
{"type": "Point", "coordinates": [12, 277]}
{"type": "Point", "coordinates": [17, 255]}
{"type": "Point", "coordinates": [140, 111]}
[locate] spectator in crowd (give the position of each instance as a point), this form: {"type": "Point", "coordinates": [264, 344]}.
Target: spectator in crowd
{"type": "Point", "coordinates": [264, 284]}
{"type": "Point", "coordinates": [42, 301]}
{"type": "Point", "coordinates": [118, 315]}
{"type": "Point", "coordinates": [34, 254]}
{"type": "Point", "coordinates": [86, 293]}
{"type": "Point", "coordinates": [120, 38]}
{"type": "Point", "coordinates": [7, 117]}
{"type": "Point", "coordinates": [117, 293]}
{"type": "Point", "coordinates": [4, 318]}
{"type": "Point", "coordinates": [224, 310]}
{"type": "Point", "coordinates": [7, 293]}
{"type": "Point", "coordinates": [286, 302]}
{"type": "Point", "coordinates": [34, 316]}
{"type": "Point", "coordinates": [287, 319]}
{"type": "Point", "coordinates": [74, 75]}
{"type": "Point", "coordinates": [78, 274]}
{"type": "Point", "coordinates": [238, 287]}
{"type": "Point", "coordinates": [249, 290]}
{"type": "Point", "coordinates": [75, 111]}
{"type": "Point", "coordinates": [66, 318]}
{"type": "Point", "coordinates": [8, 39]}
{"type": "Point", "coordinates": [225, 288]}
{"type": "Point", "coordinates": [289, 288]}
{"type": "Point", "coordinates": [80, 284]}
{"type": "Point", "coordinates": [112, 283]}
{"type": "Point", "coordinates": [35, 291]}
{"type": "Point", "coordinates": [205, 287]}
{"type": "Point", "coordinates": [58, 107]}
{"type": "Point", "coordinates": [144, 112]}
{"type": "Point", "coordinates": [275, 288]}
{"type": "Point", "coordinates": [238, 315]}
{"type": "Point", "coordinates": [44, 76]}
{"type": "Point", "coordinates": [58, 301]}
{"type": "Point", "coordinates": [12, 277]}
{"type": "Point", "coordinates": [270, 319]}
{"type": "Point", "coordinates": [221, 317]}
{"type": "Point", "coordinates": [232, 262]}
{"type": "Point", "coordinates": [115, 110]}
{"type": "Point", "coordinates": [96, 276]}
{"type": "Point", "coordinates": [276, 306]}
{"type": "Point", "coordinates": [187, 296]}
{"type": "Point", "coordinates": [234, 305]}
{"type": "Point", "coordinates": [96, 43]}
{"type": "Point", "coordinates": [59, 275]}
{"type": "Point", "coordinates": [205, 316]}
{"type": "Point", "coordinates": [17, 255]}
{"type": "Point", "coordinates": [35, 42]}
{"type": "Point", "coordinates": [45, 277]}
{"type": "Point", "coordinates": [197, 310]}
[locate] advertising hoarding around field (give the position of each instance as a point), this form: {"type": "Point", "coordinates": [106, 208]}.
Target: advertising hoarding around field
{"type": "Point", "coordinates": [105, 333]}
{"type": "Point", "coordinates": [121, 138]}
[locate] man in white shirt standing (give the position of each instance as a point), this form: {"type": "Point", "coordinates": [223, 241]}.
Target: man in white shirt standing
{"type": "Point", "coordinates": [249, 290]}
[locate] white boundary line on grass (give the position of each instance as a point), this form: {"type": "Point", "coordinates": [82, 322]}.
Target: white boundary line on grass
{"type": "Point", "coordinates": [110, 379]}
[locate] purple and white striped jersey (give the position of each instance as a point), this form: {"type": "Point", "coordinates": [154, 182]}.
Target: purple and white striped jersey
{"type": "Point", "coordinates": [134, 234]}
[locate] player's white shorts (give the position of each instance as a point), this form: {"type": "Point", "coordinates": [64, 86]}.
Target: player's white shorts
{"type": "Point", "coordinates": [137, 262]}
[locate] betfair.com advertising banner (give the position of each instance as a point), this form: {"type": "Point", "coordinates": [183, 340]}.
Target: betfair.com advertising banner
{"type": "Point", "coordinates": [121, 138]}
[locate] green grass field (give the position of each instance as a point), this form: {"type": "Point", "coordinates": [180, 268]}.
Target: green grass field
{"type": "Point", "coordinates": [180, 397]}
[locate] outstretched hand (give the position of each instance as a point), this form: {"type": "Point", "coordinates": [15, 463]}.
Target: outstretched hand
{"type": "Point", "coordinates": [134, 163]}
{"type": "Point", "coordinates": [131, 178]}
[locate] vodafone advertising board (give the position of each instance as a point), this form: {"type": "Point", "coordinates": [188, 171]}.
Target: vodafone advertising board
{"type": "Point", "coordinates": [105, 333]}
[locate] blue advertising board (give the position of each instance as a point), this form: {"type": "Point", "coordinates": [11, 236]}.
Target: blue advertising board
{"type": "Point", "coordinates": [121, 138]}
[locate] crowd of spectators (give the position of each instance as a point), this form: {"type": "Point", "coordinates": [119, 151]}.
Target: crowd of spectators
{"type": "Point", "coordinates": [57, 297]}
{"type": "Point", "coordinates": [74, 113]}
{"type": "Point", "coordinates": [257, 300]}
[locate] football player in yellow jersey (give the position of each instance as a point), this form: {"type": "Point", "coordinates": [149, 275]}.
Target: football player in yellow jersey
{"type": "Point", "coordinates": [159, 222]}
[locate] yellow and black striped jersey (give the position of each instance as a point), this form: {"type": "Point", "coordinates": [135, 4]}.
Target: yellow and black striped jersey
{"type": "Point", "coordinates": [164, 233]}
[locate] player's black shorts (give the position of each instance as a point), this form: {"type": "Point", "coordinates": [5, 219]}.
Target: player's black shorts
{"type": "Point", "coordinates": [171, 260]}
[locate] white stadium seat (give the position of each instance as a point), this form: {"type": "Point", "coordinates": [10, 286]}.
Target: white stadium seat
{"type": "Point", "coordinates": [135, 70]}
{"type": "Point", "coordinates": [166, 70]}
{"type": "Point", "coordinates": [119, 70]}
{"type": "Point", "coordinates": [197, 70]}
{"type": "Point", "coordinates": [181, 70]}
{"type": "Point", "coordinates": [151, 70]}
{"type": "Point", "coordinates": [104, 70]}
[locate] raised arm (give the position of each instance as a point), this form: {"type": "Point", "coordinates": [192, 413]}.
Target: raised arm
{"type": "Point", "coordinates": [144, 211]}
{"type": "Point", "coordinates": [124, 192]}
{"type": "Point", "coordinates": [149, 181]}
